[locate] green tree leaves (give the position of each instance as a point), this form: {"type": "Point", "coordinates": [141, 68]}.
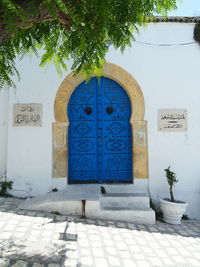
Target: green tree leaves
{"type": "Point", "coordinates": [70, 29]}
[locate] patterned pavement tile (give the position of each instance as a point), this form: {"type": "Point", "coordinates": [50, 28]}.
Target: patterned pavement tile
{"type": "Point", "coordinates": [39, 239]}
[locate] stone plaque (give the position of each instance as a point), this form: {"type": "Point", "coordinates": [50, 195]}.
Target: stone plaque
{"type": "Point", "coordinates": [27, 115]}
{"type": "Point", "coordinates": [172, 120]}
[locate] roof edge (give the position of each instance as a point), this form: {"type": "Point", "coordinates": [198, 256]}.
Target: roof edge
{"type": "Point", "coordinates": [178, 19]}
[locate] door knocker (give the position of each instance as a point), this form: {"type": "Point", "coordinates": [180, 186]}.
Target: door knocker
{"type": "Point", "coordinates": [109, 110]}
{"type": "Point", "coordinates": [88, 110]}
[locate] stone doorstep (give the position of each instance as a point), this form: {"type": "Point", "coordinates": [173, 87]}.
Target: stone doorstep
{"type": "Point", "coordinates": [145, 216]}
{"type": "Point", "coordinates": [94, 190]}
{"type": "Point", "coordinates": [124, 201]}
{"type": "Point", "coordinates": [129, 208]}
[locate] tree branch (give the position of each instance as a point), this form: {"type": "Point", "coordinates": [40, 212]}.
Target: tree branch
{"type": "Point", "coordinates": [42, 15]}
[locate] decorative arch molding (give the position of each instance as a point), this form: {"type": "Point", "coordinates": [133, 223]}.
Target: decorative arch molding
{"type": "Point", "coordinates": [139, 125]}
{"type": "Point", "coordinates": [111, 71]}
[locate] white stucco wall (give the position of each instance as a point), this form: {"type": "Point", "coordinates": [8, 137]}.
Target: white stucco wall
{"type": "Point", "coordinates": [30, 148]}
{"type": "Point", "coordinates": [169, 78]}
{"type": "Point", "coordinates": [4, 103]}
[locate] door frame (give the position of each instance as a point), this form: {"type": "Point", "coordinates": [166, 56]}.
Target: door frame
{"type": "Point", "coordinates": [139, 125]}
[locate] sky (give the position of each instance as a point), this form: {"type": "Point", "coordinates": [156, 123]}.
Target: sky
{"type": "Point", "coordinates": [187, 8]}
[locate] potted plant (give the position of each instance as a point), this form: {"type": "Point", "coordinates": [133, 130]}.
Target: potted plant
{"type": "Point", "coordinates": [172, 209]}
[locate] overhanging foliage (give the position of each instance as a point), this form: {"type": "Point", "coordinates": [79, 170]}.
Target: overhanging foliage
{"type": "Point", "coordinates": [197, 32]}
{"type": "Point", "coordinates": [70, 29]}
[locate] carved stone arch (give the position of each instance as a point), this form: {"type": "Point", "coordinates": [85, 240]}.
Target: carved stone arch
{"type": "Point", "coordinates": [139, 126]}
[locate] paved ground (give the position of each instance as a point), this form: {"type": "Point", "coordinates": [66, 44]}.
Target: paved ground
{"type": "Point", "coordinates": [41, 239]}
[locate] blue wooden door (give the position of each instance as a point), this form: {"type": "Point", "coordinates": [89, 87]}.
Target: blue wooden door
{"type": "Point", "coordinates": [99, 136]}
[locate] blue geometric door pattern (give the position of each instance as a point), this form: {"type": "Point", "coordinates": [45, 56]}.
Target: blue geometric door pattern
{"type": "Point", "coordinates": [99, 135]}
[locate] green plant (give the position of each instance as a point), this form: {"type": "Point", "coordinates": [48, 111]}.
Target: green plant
{"type": "Point", "coordinates": [66, 30]}
{"type": "Point", "coordinates": [56, 212]}
{"type": "Point", "coordinates": [171, 179]}
{"type": "Point", "coordinates": [103, 190]}
{"type": "Point", "coordinates": [197, 32]}
{"type": "Point", "coordinates": [54, 190]}
{"type": "Point", "coordinates": [158, 213]}
{"type": "Point", "coordinates": [4, 187]}
{"type": "Point", "coordinates": [185, 217]}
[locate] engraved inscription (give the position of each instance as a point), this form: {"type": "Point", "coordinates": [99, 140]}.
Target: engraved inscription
{"type": "Point", "coordinates": [172, 120]}
{"type": "Point", "coordinates": [27, 115]}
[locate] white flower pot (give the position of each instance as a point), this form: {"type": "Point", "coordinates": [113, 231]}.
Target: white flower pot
{"type": "Point", "coordinates": [172, 211]}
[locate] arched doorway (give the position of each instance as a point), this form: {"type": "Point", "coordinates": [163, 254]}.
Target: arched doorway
{"type": "Point", "coordinates": [138, 124]}
{"type": "Point", "coordinates": [99, 133]}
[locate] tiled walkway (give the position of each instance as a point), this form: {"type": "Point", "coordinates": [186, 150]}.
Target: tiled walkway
{"type": "Point", "coordinates": [41, 239]}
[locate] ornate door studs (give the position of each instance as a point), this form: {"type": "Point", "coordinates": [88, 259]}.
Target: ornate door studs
{"type": "Point", "coordinates": [99, 133]}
